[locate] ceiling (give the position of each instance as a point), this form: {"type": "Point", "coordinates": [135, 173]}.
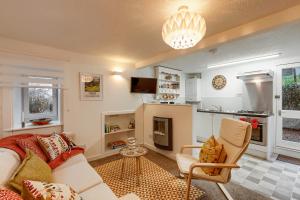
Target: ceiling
{"type": "Point", "coordinates": [120, 30]}
{"type": "Point", "coordinates": [284, 39]}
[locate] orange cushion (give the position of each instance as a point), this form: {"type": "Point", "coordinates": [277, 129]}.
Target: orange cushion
{"type": "Point", "coordinates": [212, 152]}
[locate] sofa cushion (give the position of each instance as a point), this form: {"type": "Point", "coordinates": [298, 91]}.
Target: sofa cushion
{"type": "Point", "coordinates": [6, 194]}
{"type": "Point", "coordinates": [72, 160]}
{"type": "Point", "coordinates": [80, 176]}
{"type": "Point", "coordinates": [9, 163]}
{"type": "Point", "coordinates": [53, 145]}
{"type": "Point", "coordinates": [102, 191]}
{"type": "Point", "coordinates": [32, 144]}
{"type": "Point", "coordinates": [32, 168]}
{"type": "Point", "coordinates": [35, 190]}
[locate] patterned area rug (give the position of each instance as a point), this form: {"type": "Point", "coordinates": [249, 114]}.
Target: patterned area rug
{"type": "Point", "coordinates": [155, 182]}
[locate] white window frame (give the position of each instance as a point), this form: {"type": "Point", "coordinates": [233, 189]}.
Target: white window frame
{"type": "Point", "coordinates": [53, 115]}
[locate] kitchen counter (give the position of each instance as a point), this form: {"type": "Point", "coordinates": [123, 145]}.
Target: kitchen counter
{"type": "Point", "coordinates": [166, 104]}
{"type": "Point", "coordinates": [234, 113]}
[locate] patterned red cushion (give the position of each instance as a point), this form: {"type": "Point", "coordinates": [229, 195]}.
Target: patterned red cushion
{"type": "Point", "coordinates": [53, 146]}
{"type": "Point", "coordinates": [32, 144]}
{"type": "Point", "coordinates": [68, 140]}
{"type": "Point", "coordinates": [6, 194]}
{"type": "Point", "coordinates": [36, 190]}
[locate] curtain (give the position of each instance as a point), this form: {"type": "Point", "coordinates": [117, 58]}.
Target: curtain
{"type": "Point", "coordinates": [26, 76]}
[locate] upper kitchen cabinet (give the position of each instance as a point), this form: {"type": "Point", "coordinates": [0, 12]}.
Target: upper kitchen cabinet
{"type": "Point", "coordinates": [192, 89]}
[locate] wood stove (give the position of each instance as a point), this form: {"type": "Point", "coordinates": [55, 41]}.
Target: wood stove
{"type": "Point", "coordinates": [163, 133]}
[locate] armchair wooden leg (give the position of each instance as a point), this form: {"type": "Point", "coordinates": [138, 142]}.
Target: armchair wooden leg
{"type": "Point", "coordinates": [185, 178]}
{"type": "Point", "coordinates": [225, 192]}
{"type": "Point", "coordinates": [189, 180]}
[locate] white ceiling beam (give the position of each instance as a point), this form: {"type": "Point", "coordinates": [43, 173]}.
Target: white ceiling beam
{"type": "Point", "coordinates": [263, 24]}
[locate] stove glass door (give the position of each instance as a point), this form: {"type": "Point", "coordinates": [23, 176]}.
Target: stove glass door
{"type": "Point", "coordinates": [257, 134]}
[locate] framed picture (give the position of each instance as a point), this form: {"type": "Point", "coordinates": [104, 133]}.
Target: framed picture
{"type": "Point", "coordinates": [91, 87]}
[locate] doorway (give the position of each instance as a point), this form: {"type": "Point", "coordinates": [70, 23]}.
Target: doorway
{"type": "Point", "coordinates": [288, 108]}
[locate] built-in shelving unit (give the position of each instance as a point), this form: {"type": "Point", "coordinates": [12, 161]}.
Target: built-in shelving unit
{"type": "Point", "coordinates": [116, 128]}
{"type": "Point", "coordinates": [120, 131]}
{"type": "Point", "coordinates": [168, 83]}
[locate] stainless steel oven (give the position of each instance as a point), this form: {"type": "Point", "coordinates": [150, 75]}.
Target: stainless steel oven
{"type": "Point", "coordinates": [259, 129]}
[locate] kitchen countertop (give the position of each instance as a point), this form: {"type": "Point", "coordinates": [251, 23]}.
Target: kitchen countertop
{"type": "Point", "coordinates": [166, 104]}
{"type": "Point", "coordinates": [234, 113]}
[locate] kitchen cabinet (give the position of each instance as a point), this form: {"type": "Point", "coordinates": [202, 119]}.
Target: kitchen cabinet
{"type": "Point", "coordinates": [217, 122]}
{"type": "Point", "coordinates": [204, 126]}
{"type": "Point", "coordinates": [192, 90]}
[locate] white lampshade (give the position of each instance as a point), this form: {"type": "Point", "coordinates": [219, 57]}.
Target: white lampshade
{"type": "Point", "coordinates": [184, 29]}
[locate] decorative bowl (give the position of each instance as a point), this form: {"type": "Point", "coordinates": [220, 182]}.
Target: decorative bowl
{"type": "Point", "coordinates": [40, 122]}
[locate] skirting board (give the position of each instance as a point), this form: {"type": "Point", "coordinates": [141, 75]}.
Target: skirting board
{"type": "Point", "coordinates": [287, 152]}
{"type": "Point", "coordinates": [170, 155]}
{"type": "Point", "coordinates": [99, 156]}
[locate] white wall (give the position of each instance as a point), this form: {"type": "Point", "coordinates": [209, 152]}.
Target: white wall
{"type": "Point", "coordinates": [230, 97]}
{"type": "Point", "coordinates": [84, 117]}
{"type": "Point", "coordinates": [182, 125]}
{"type": "Point", "coordinates": [81, 117]}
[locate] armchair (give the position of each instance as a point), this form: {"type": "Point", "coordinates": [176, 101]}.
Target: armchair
{"type": "Point", "coordinates": [235, 136]}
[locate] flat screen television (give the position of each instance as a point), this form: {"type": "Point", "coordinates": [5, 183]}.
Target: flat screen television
{"type": "Point", "coordinates": [143, 85]}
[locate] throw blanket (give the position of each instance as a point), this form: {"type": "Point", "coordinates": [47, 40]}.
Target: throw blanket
{"type": "Point", "coordinates": [10, 143]}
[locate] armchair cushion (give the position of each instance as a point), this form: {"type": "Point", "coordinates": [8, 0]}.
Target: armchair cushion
{"type": "Point", "coordinates": [185, 161]}
{"type": "Point", "coordinates": [212, 152]}
{"type": "Point", "coordinates": [234, 131]}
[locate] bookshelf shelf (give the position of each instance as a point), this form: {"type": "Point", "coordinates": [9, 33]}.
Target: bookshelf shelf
{"type": "Point", "coordinates": [116, 128]}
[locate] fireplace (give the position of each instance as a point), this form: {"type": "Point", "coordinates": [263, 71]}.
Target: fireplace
{"type": "Point", "coordinates": [163, 133]}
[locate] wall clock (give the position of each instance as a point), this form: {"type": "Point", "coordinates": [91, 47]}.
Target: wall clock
{"type": "Point", "coordinates": [219, 81]}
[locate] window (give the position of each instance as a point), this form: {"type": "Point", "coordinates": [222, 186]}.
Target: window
{"type": "Point", "coordinates": [40, 103]}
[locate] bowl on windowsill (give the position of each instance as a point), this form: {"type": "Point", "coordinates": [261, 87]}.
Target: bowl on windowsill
{"type": "Point", "coordinates": [40, 122]}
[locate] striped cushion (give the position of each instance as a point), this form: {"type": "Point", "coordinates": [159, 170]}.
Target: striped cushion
{"type": "Point", "coordinates": [53, 146]}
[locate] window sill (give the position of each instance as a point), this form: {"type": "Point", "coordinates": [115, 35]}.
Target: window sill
{"type": "Point", "coordinates": [30, 127]}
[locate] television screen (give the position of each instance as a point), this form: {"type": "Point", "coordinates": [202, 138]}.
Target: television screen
{"type": "Point", "coordinates": [143, 85]}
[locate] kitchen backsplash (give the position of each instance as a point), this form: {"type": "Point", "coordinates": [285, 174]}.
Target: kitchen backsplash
{"type": "Point", "coordinates": [227, 103]}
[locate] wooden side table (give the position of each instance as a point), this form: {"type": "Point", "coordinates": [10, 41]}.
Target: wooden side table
{"type": "Point", "coordinates": [136, 154]}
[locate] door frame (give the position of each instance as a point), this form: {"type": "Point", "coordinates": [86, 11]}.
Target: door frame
{"type": "Point", "coordinates": [282, 146]}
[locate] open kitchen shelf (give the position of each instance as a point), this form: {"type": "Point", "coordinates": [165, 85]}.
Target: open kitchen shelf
{"type": "Point", "coordinates": [168, 83]}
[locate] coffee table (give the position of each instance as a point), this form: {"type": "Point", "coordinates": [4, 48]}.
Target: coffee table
{"type": "Point", "coordinates": [134, 153]}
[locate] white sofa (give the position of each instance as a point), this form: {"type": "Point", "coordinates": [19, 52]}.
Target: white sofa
{"type": "Point", "coordinates": [75, 172]}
